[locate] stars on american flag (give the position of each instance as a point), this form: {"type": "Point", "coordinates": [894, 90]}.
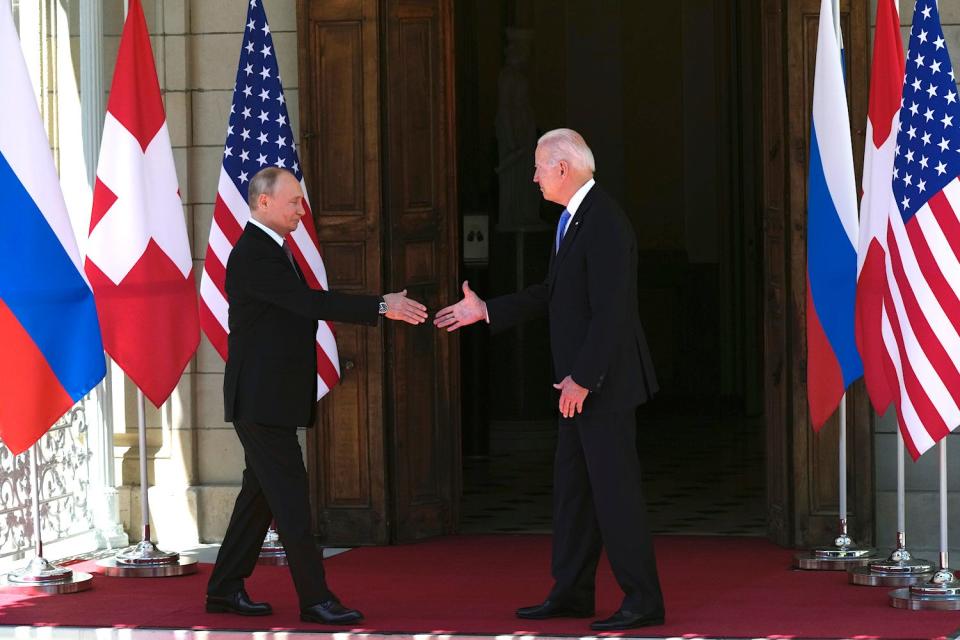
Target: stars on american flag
{"type": "Point", "coordinates": [259, 132]}
{"type": "Point", "coordinates": [928, 143]}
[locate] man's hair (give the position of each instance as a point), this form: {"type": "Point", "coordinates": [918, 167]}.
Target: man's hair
{"type": "Point", "coordinates": [264, 182]}
{"type": "Point", "coordinates": [567, 144]}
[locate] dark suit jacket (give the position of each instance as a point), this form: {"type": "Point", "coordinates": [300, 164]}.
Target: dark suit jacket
{"type": "Point", "coordinates": [271, 371]}
{"type": "Point", "coordinates": [590, 295]}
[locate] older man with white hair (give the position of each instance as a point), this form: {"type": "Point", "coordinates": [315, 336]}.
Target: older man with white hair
{"type": "Point", "coordinates": [603, 368]}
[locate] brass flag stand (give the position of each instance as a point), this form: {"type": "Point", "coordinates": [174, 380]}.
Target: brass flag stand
{"type": "Point", "coordinates": [843, 554]}
{"type": "Point", "coordinates": [40, 575]}
{"type": "Point", "coordinates": [144, 559]}
{"type": "Point", "coordinates": [900, 569]}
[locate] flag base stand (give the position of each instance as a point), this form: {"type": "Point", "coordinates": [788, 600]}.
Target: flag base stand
{"type": "Point", "coordinates": [39, 576]}
{"type": "Point", "coordinates": [941, 592]}
{"type": "Point", "coordinates": [144, 560]}
{"type": "Point", "coordinates": [901, 569]}
{"type": "Point", "coordinates": [272, 551]}
{"type": "Point", "coordinates": [842, 556]}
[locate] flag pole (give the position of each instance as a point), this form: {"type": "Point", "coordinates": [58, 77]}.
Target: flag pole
{"type": "Point", "coordinates": [272, 551]}
{"type": "Point", "coordinates": [942, 591]}
{"type": "Point", "coordinates": [144, 559]}
{"type": "Point", "coordinates": [843, 554]}
{"type": "Point", "coordinates": [39, 575]}
{"type": "Point", "coordinates": [900, 568]}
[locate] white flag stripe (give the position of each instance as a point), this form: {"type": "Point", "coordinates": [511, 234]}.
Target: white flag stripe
{"type": "Point", "coordinates": [24, 147]}
{"type": "Point", "coordinates": [235, 202]}
{"type": "Point", "coordinates": [952, 192]}
{"type": "Point", "coordinates": [322, 388]}
{"type": "Point", "coordinates": [831, 122]}
{"type": "Point", "coordinates": [918, 434]}
{"type": "Point", "coordinates": [214, 300]}
{"type": "Point", "coordinates": [301, 238]}
{"type": "Point", "coordinates": [219, 244]}
{"type": "Point", "coordinates": [943, 254]}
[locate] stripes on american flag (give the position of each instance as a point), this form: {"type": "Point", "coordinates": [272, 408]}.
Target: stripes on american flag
{"type": "Point", "coordinates": [259, 135]}
{"type": "Point", "coordinates": [921, 323]}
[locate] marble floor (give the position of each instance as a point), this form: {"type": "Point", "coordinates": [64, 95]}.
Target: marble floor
{"type": "Point", "coordinates": [702, 476]}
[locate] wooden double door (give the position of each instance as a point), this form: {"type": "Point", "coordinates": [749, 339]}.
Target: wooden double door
{"type": "Point", "coordinates": [378, 149]}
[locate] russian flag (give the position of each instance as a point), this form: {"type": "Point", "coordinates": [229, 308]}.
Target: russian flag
{"type": "Point", "coordinates": [49, 334]}
{"type": "Point", "coordinates": [833, 362]}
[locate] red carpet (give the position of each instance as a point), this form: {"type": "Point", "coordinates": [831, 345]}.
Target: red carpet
{"type": "Point", "coordinates": [716, 587]}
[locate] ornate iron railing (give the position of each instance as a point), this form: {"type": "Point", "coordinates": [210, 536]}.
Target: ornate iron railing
{"type": "Point", "coordinates": [63, 469]}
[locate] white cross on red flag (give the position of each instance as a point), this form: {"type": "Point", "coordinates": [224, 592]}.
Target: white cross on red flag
{"type": "Point", "coordinates": [138, 255]}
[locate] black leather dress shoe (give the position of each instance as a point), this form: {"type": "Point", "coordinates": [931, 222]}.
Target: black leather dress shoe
{"type": "Point", "coordinates": [551, 609]}
{"type": "Point", "coordinates": [624, 619]}
{"type": "Point", "coordinates": [330, 612]}
{"type": "Point", "coordinates": [239, 603]}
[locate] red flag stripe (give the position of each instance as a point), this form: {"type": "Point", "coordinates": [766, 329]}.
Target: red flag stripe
{"type": "Point", "coordinates": [925, 336]}
{"type": "Point", "coordinates": [226, 221]}
{"type": "Point", "coordinates": [917, 398]}
{"type": "Point", "coordinates": [213, 329]}
{"type": "Point", "coordinates": [216, 272]}
{"type": "Point", "coordinates": [325, 369]}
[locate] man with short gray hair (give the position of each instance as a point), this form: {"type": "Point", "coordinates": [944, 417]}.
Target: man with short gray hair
{"type": "Point", "coordinates": [270, 389]}
{"type": "Point", "coordinates": [604, 370]}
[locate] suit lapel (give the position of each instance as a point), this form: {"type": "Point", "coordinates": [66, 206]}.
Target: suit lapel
{"type": "Point", "coordinates": [571, 235]}
{"type": "Point", "coordinates": [270, 245]}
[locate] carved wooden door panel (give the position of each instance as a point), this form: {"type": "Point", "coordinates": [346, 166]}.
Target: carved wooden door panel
{"type": "Point", "coordinates": [421, 249]}
{"type": "Point", "coordinates": [802, 466]}
{"type": "Point", "coordinates": [340, 124]}
{"type": "Point", "coordinates": [376, 83]}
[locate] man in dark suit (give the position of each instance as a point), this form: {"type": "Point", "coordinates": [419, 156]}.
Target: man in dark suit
{"type": "Point", "coordinates": [270, 389]}
{"type": "Point", "coordinates": [603, 366]}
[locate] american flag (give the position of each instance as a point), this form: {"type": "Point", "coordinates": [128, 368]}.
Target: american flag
{"type": "Point", "coordinates": [922, 306]}
{"type": "Point", "coordinates": [259, 135]}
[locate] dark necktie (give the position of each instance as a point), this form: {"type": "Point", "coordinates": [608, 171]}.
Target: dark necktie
{"type": "Point", "coordinates": [289, 252]}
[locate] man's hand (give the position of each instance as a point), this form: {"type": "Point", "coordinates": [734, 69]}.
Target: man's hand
{"type": "Point", "coordinates": [469, 310]}
{"type": "Point", "coordinates": [400, 307]}
{"type": "Point", "coordinates": [572, 396]}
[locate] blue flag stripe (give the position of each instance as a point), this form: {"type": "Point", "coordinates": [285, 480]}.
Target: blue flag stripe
{"type": "Point", "coordinates": [43, 289]}
{"type": "Point", "coordinates": [832, 268]}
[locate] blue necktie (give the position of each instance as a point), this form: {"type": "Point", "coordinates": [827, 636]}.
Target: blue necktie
{"type": "Point", "coordinates": [561, 228]}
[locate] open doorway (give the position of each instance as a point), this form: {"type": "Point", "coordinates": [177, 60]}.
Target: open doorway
{"type": "Point", "coordinates": [665, 95]}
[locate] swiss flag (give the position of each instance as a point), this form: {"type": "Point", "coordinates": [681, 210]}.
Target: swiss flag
{"type": "Point", "coordinates": [883, 117]}
{"type": "Point", "coordinates": [138, 256]}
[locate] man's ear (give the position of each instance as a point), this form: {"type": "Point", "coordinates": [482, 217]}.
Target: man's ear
{"type": "Point", "coordinates": [564, 167]}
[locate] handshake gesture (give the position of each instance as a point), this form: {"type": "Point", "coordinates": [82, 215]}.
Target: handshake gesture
{"type": "Point", "coordinates": [469, 310]}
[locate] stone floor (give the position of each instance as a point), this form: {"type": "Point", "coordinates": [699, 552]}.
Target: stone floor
{"type": "Point", "coordinates": [701, 476]}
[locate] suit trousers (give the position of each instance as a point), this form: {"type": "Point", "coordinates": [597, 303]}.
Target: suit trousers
{"type": "Point", "coordinates": [274, 487]}
{"type": "Point", "coordinates": [598, 502]}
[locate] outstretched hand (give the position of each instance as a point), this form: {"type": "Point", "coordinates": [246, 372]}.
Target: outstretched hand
{"type": "Point", "coordinates": [400, 307]}
{"type": "Point", "coordinates": [469, 310]}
